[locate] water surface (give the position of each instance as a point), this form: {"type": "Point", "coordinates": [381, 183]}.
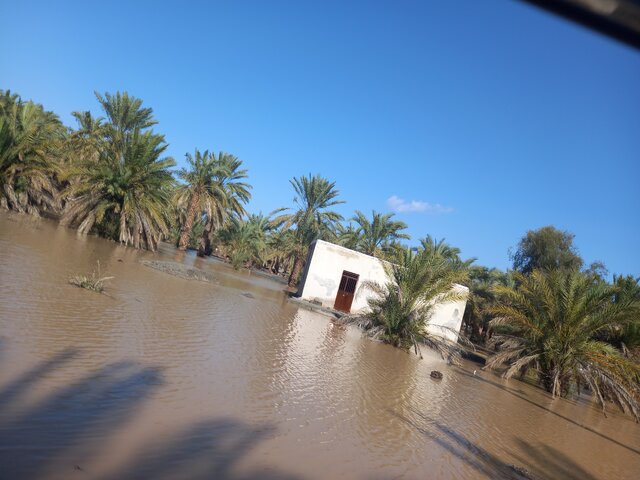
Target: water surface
{"type": "Point", "coordinates": [170, 378]}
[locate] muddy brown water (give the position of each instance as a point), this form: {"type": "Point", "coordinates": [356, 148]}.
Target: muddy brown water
{"type": "Point", "coordinates": [171, 378]}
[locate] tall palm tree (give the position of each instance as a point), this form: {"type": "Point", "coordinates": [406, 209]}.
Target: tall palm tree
{"type": "Point", "coordinates": [237, 194]}
{"type": "Point", "coordinates": [550, 321]}
{"type": "Point", "coordinates": [30, 148]}
{"type": "Point", "coordinates": [315, 195]}
{"type": "Point", "coordinates": [120, 185]}
{"type": "Point", "coordinates": [199, 192]}
{"type": "Point", "coordinates": [378, 232]}
{"type": "Point", "coordinates": [400, 311]}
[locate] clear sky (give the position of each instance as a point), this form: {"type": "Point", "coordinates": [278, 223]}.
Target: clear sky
{"type": "Point", "coordinates": [475, 120]}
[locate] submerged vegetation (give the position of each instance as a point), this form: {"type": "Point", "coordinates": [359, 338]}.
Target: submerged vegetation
{"type": "Point", "coordinates": [95, 282]}
{"type": "Point", "coordinates": [400, 310]}
{"type": "Point", "coordinates": [110, 176]}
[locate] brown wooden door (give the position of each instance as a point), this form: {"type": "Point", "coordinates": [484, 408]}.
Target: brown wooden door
{"type": "Point", "coordinates": [346, 291]}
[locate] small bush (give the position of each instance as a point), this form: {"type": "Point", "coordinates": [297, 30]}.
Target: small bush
{"type": "Point", "coordinates": [94, 282]}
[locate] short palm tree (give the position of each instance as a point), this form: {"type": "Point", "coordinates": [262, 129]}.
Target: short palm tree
{"type": "Point", "coordinates": [30, 147]}
{"type": "Point", "coordinates": [315, 195]}
{"type": "Point", "coordinates": [400, 311]}
{"type": "Point", "coordinates": [550, 321]}
{"type": "Point", "coordinates": [380, 231]}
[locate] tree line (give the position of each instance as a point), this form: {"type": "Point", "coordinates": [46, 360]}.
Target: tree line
{"type": "Point", "coordinates": [549, 316]}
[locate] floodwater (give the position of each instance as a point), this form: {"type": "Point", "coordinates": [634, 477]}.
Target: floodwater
{"type": "Point", "coordinates": [169, 378]}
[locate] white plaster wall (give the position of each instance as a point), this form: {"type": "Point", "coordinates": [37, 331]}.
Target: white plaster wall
{"type": "Point", "coordinates": [324, 271]}
{"type": "Point", "coordinates": [446, 318]}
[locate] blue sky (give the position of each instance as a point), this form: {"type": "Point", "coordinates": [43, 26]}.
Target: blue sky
{"type": "Point", "coordinates": [479, 120]}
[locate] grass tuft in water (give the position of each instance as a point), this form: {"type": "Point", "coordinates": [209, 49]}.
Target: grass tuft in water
{"type": "Point", "coordinates": [95, 282]}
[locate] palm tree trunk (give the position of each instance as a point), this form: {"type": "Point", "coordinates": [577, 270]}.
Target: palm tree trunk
{"type": "Point", "coordinates": [192, 211]}
{"type": "Point", "coordinates": [295, 271]}
{"type": "Point", "coordinates": [204, 248]}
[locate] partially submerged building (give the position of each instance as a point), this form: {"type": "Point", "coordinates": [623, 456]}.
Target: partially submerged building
{"type": "Point", "coordinates": [336, 277]}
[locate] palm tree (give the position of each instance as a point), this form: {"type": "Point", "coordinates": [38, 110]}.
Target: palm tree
{"type": "Point", "coordinates": [126, 199]}
{"type": "Point", "coordinates": [400, 311]}
{"type": "Point", "coordinates": [200, 191]}
{"type": "Point", "coordinates": [281, 248]}
{"type": "Point", "coordinates": [481, 283]}
{"type": "Point", "coordinates": [628, 337]}
{"type": "Point", "coordinates": [347, 236]}
{"type": "Point", "coordinates": [120, 185]}
{"type": "Point", "coordinates": [236, 194]}
{"type": "Point", "coordinates": [245, 241]}
{"type": "Point", "coordinates": [125, 115]}
{"type": "Point", "coordinates": [377, 233]}
{"type": "Point", "coordinates": [312, 219]}
{"type": "Point", "coordinates": [550, 321]}
{"type": "Point", "coordinates": [30, 147]}
{"type": "Point", "coordinates": [442, 249]}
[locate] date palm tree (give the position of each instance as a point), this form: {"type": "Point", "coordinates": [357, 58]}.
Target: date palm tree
{"type": "Point", "coordinates": [442, 249]}
{"type": "Point", "coordinates": [315, 195]}
{"type": "Point", "coordinates": [400, 311]}
{"type": "Point", "coordinates": [347, 236]}
{"type": "Point", "coordinates": [482, 280]}
{"type": "Point", "coordinates": [550, 322]}
{"type": "Point", "coordinates": [245, 240]}
{"type": "Point", "coordinates": [125, 198]}
{"type": "Point", "coordinates": [30, 148]}
{"type": "Point", "coordinates": [380, 231]}
{"type": "Point", "coordinates": [198, 193]}
{"type": "Point", "coordinates": [120, 185]}
{"type": "Point", "coordinates": [213, 191]}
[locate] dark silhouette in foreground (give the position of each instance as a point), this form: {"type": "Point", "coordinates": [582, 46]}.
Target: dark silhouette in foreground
{"type": "Point", "coordinates": [57, 434]}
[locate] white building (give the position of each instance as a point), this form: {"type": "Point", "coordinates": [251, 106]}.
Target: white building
{"type": "Point", "coordinates": [334, 277]}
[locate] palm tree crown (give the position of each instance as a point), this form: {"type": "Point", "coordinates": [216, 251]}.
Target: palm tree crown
{"type": "Point", "coordinates": [213, 190]}
{"type": "Point", "coordinates": [377, 233]}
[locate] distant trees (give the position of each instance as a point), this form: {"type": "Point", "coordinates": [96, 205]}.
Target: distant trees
{"type": "Point", "coordinates": [546, 248]}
